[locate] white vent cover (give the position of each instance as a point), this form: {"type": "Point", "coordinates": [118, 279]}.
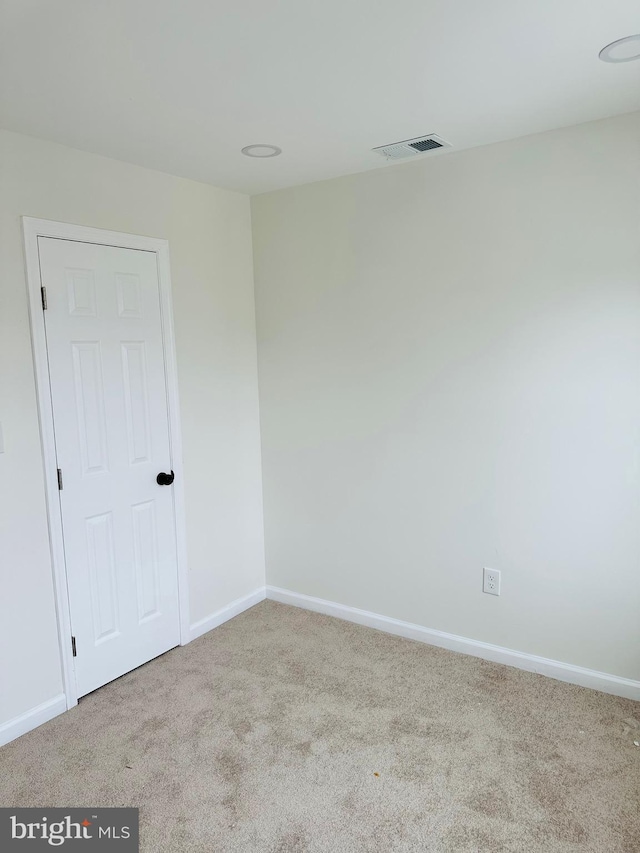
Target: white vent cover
{"type": "Point", "coordinates": [412, 147]}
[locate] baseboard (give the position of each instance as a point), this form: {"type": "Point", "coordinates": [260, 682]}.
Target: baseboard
{"type": "Point", "coordinates": [202, 626]}
{"type": "Point", "coordinates": [32, 718]}
{"type": "Point", "coordinates": [35, 717]}
{"type": "Point", "coordinates": [603, 681]}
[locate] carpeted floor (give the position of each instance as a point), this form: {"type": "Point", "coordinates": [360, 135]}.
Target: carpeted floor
{"type": "Point", "coordinates": [284, 731]}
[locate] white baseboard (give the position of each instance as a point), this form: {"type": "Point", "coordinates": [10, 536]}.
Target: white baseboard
{"type": "Point", "coordinates": [531, 663]}
{"type": "Point", "coordinates": [35, 717]}
{"type": "Point", "coordinates": [32, 718]}
{"type": "Point", "coordinates": [202, 626]}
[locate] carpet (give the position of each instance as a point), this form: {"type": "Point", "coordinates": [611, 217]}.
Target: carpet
{"type": "Point", "coordinates": [284, 731]}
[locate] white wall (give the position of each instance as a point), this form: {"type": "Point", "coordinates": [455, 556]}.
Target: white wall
{"type": "Point", "coordinates": [449, 363]}
{"type": "Point", "coordinates": [209, 232]}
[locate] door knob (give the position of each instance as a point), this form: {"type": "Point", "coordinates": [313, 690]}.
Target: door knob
{"type": "Point", "coordinates": [165, 479]}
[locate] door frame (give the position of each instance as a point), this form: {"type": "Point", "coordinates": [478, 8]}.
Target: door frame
{"type": "Point", "coordinates": [32, 229]}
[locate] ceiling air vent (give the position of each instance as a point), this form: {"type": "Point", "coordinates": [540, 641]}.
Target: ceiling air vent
{"type": "Point", "coordinates": [412, 147]}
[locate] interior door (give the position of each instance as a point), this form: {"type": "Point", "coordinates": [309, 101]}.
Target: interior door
{"type": "Point", "coordinates": [108, 390]}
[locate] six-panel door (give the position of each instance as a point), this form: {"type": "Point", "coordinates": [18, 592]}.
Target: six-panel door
{"type": "Point", "coordinates": [108, 389]}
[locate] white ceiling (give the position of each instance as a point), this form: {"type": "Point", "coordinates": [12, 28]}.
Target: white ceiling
{"type": "Point", "coordinates": [183, 85]}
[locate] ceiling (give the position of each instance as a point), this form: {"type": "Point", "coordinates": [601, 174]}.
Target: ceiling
{"type": "Point", "coordinates": [183, 85]}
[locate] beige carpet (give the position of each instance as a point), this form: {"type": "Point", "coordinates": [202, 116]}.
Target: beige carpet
{"type": "Point", "coordinates": [284, 731]}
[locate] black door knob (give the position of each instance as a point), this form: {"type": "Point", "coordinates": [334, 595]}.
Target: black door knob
{"type": "Point", "coordinates": [165, 479]}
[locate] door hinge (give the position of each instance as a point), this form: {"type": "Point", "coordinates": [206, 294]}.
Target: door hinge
{"type": "Point", "coordinates": [60, 479]}
{"type": "Point", "coordinates": [43, 293]}
{"type": "Point", "coordinates": [73, 646]}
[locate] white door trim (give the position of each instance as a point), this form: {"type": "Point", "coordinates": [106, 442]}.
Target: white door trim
{"type": "Point", "coordinates": [34, 228]}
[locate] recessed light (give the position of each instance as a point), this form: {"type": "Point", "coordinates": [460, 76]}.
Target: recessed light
{"type": "Point", "coordinates": [622, 50]}
{"type": "Point", "coordinates": [261, 151]}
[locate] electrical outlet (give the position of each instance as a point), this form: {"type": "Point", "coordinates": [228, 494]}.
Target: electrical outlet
{"type": "Point", "coordinates": [491, 581]}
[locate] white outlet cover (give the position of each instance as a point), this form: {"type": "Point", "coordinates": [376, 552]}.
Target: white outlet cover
{"type": "Point", "coordinates": [491, 581]}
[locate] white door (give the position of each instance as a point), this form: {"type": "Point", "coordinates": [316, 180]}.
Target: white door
{"type": "Point", "coordinates": [109, 396]}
